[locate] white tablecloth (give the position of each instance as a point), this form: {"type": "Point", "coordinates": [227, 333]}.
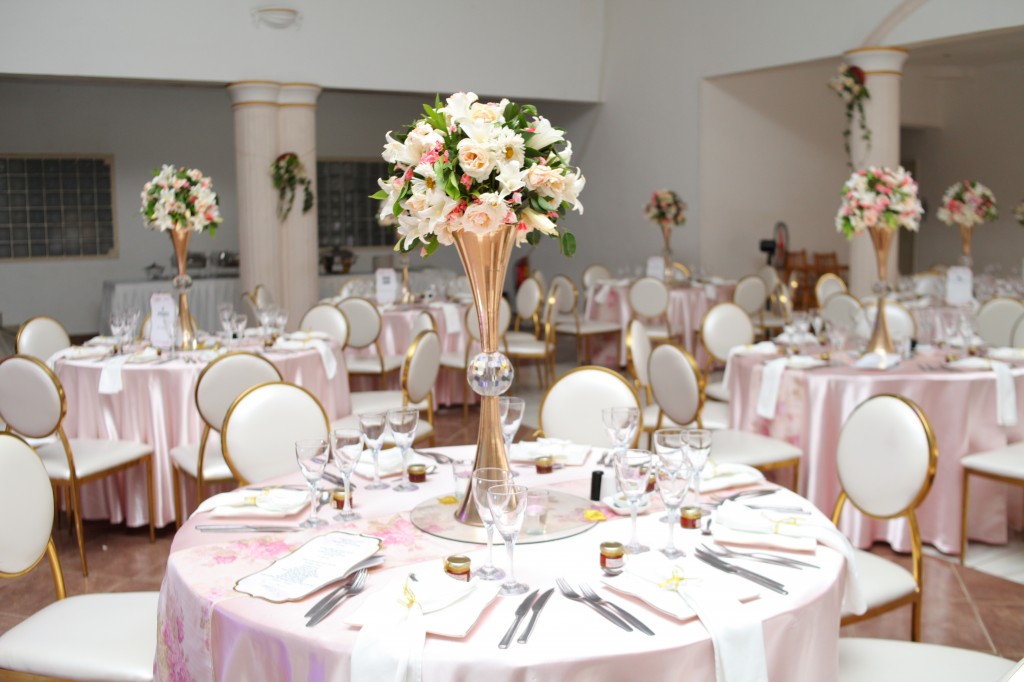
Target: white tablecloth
{"type": "Point", "coordinates": [203, 298]}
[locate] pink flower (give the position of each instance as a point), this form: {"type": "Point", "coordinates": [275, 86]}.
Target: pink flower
{"type": "Point", "coordinates": [522, 226]}
{"type": "Point", "coordinates": [517, 197]}
{"type": "Point", "coordinates": [466, 181]}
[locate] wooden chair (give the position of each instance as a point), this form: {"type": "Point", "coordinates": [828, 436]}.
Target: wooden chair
{"type": "Point", "coordinates": [800, 277]}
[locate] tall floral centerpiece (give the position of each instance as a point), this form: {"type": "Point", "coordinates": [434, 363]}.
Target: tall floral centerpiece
{"type": "Point", "coordinates": [666, 210]}
{"type": "Point", "coordinates": [849, 84]}
{"type": "Point", "coordinates": [484, 176]}
{"type": "Point", "coordinates": [879, 201]}
{"type": "Point", "coordinates": [181, 201]}
{"type": "Point", "coordinates": [967, 204]}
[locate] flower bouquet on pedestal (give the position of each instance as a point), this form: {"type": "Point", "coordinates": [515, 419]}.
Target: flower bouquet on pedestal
{"type": "Point", "coordinates": [879, 201]}
{"type": "Point", "coordinates": [483, 176]}
{"type": "Point", "coordinates": [666, 210]}
{"type": "Point", "coordinates": [181, 201]}
{"type": "Point", "coordinates": [967, 204]}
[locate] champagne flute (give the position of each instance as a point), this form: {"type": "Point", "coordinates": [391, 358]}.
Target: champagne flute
{"type": "Point", "coordinates": [311, 454]}
{"type": "Point", "coordinates": [483, 480]}
{"type": "Point", "coordinates": [622, 424]}
{"type": "Point", "coordinates": [508, 509]}
{"type": "Point", "coordinates": [225, 312]}
{"type": "Point", "coordinates": [672, 486]}
{"type": "Point", "coordinates": [632, 472]}
{"type": "Point", "coordinates": [346, 446]}
{"type": "Point", "coordinates": [403, 430]}
{"type": "Point", "coordinates": [697, 446]}
{"type": "Point", "coordinates": [668, 446]}
{"type": "Point", "coordinates": [372, 424]}
{"type": "Point", "coordinates": [511, 411]}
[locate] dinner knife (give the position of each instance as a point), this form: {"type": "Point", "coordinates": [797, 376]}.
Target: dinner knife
{"type": "Point", "coordinates": [242, 528]}
{"type": "Point", "coordinates": [537, 606]}
{"type": "Point", "coordinates": [742, 573]}
{"type": "Point", "coordinates": [520, 614]}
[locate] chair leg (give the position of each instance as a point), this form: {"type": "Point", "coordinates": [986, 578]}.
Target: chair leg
{"type": "Point", "coordinates": [149, 494]}
{"type": "Point", "coordinates": [540, 374]}
{"type": "Point", "coordinates": [177, 492]}
{"type": "Point", "coordinates": [76, 512]}
{"type": "Point", "coordinates": [56, 505]}
{"type": "Point", "coordinates": [796, 477]}
{"type": "Point", "coordinates": [915, 623]}
{"type": "Point", "coordinates": [963, 516]}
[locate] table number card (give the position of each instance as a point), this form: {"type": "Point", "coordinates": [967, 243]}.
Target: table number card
{"type": "Point", "coordinates": [161, 320]}
{"type": "Point", "coordinates": [387, 285]}
{"type": "Point", "coordinates": [959, 285]}
{"type": "Point", "coordinates": [656, 267]}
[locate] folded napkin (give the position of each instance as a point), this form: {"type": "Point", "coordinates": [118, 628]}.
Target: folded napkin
{"type": "Point", "coordinates": [76, 353]}
{"type": "Point", "coordinates": [266, 502]}
{"type": "Point", "coordinates": [877, 361]}
{"type": "Point", "coordinates": [563, 451]}
{"type": "Point", "coordinates": [390, 644]}
{"type": "Point", "coordinates": [736, 634]}
{"type": "Point", "coordinates": [788, 338]}
{"type": "Point", "coordinates": [771, 379]}
{"type": "Point", "coordinates": [958, 341]}
{"type": "Point", "coordinates": [101, 341]}
{"type": "Point", "coordinates": [742, 518]}
{"type": "Point", "coordinates": [452, 319]}
{"type": "Point", "coordinates": [1011, 354]}
{"type": "Point", "coordinates": [110, 377]}
{"type": "Point", "coordinates": [719, 476]}
{"type": "Point", "coordinates": [1006, 394]}
{"type": "Point", "coordinates": [389, 461]}
{"type": "Point", "coordinates": [760, 348]}
{"type": "Point", "coordinates": [601, 291]}
{"type": "Point", "coordinates": [711, 291]}
{"type": "Point", "coordinates": [729, 536]}
{"type": "Point", "coordinates": [804, 362]}
{"type": "Point", "coordinates": [326, 355]}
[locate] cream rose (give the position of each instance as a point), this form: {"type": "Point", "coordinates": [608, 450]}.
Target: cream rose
{"type": "Point", "coordinates": [476, 159]}
{"type": "Point", "coordinates": [546, 180]}
{"type": "Point", "coordinates": [486, 216]}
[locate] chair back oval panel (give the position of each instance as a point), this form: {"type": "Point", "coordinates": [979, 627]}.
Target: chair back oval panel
{"type": "Point", "coordinates": [725, 326]}
{"type": "Point", "coordinates": [226, 378]}
{"type": "Point", "coordinates": [675, 383]}
{"type": "Point", "coordinates": [843, 309]}
{"type": "Point", "coordinates": [261, 296]}
{"type": "Point", "coordinates": [364, 321]}
{"type": "Point", "coordinates": [422, 363]}
{"type": "Point", "coordinates": [41, 337]}
{"type": "Point", "coordinates": [750, 294]}
{"type": "Point", "coordinates": [995, 320]}
{"type": "Point", "coordinates": [638, 345]}
{"type": "Point", "coordinates": [262, 425]}
{"type": "Point", "coordinates": [770, 276]}
{"type": "Point", "coordinates": [528, 298]}
{"type": "Point", "coordinates": [422, 323]}
{"type": "Point", "coordinates": [594, 273]}
{"type": "Point", "coordinates": [1017, 335]}
{"type": "Point", "coordinates": [899, 320]}
{"type": "Point", "coordinates": [827, 286]}
{"type": "Point", "coordinates": [572, 407]}
{"type": "Point", "coordinates": [26, 506]}
{"type": "Point", "coordinates": [648, 297]}
{"type": "Point", "coordinates": [31, 397]}
{"type": "Point", "coordinates": [564, 292]}
{"type": "Point", "coordinates": [886, 456]}
{"type": "Point", "coordinates": [504, 320]}
{"type": "Point", "coordinates": [326, 318]}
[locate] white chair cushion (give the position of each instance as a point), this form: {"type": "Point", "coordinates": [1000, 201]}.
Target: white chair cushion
{"type": "Point", "coordinates": [995, 320]}
{"type": "Point", "coordinates": [422, 366]}
{"type": "Point", "coordinates": [882, 580]}
{"type": "Point", "coordinates": [372, 364]}
{"type": "Point", "coordinates": [29, 398]}
{"type": "Point", "coordinates": [884, 660]}
{"type": "Point", "coordinates": [364, 321]}
{"type": "Point", "coordinates": [725, 326]}
{"type": "Point", "coordinates": [648, 297]}
{"type": "Point", "coordinates": [752, 449]}
{"type": "Point", "coordinates": [328, 319]}
{"type": "Point", "coordinates": [91, 456]}
{"type": "Point", "coordinates": [716, 390]}
{"type": "Point", "coordinates": [186, 458]}
{"type": "Point", "coordinates": [519, 337]}
{"type": "Point", "coordinates": [675, 382]}
{"type": "Point", "coordinates": [1008, 461]}
{"type": "Point", "coordinates": [658, 331]}
{"type": "Point", "coordinates": [380, 401]}
{"type": "Point", "coordinates": [526, 347]}
{"type": "Point", "coordinates": [453, 360]}
{"type": "Point", "coordinates": [103, 637]}
{"type": "Point", "coordinates": [715, 416]}
{"type": "Point", "coordinates": [750, 294]}
{"type": "Point", "coordinates": [587, 327]}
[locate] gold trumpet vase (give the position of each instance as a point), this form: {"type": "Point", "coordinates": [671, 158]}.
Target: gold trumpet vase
{"type": "Point", "coordinates": [881, 342]}
{"type": "Point", "coordinates": [181, 283]}
{"type": "Point", "coordinates": [965, 241]}
{"type": "Point", "coordinates": [406, 295]}
{"type": "Point", "coordinates": [485, 258]}
{"type": "Point", "coordinates": [666, 234]}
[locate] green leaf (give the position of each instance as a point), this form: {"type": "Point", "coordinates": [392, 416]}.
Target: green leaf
{"type": "Point", "coordinates": [568, 244]}
{"type": "Point", "coordinates": [380, 195]}
{"type": "Point", "coordinates": [533, 238]}
{"type": "Point", "coordinates": [545, 204]}
{"type": "Point", "coordinates": [430, 247]}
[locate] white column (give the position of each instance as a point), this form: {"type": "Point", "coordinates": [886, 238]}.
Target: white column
{"type": "Point", "coordinates": [255, 107]}
{"type": "Point", "coordinates": [296, 132]}
{"type": "Point", "coordinates": [883, 69]}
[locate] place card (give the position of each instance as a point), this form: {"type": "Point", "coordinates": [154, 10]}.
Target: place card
{"type": "Point", "coordinates": [161, 320]}
{"type": "Point", "coordinates": [387, 285]}
{"type": "Point", "coordinates": [656, 267]}
{"type": "Point", "coordinates": [959, 285]}
{"type": "Point", "coordinates": [319, 562]}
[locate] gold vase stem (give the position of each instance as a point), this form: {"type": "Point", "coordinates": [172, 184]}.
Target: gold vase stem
{"type": "Point", "coordinates": [180, 239]}
{"type": "Point", "coordinates": [965, 239]}
{"type": "Point", "coordinates": [881, 342]}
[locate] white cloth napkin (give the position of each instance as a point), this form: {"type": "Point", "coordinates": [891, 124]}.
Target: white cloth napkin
{"type": "Point", "coordinates": [786, 337]}
{"type": "Point", "coordinates": [741, 517]}
{"type": "Point", "coordinates": [390, 645]}
{"type": "Point", "coordinates": [101, 341]}
{"type": "Point", "coordinates": [958, 341]}
{"type": "Point", "coordinates": [110, 377]}
{"type": "Point", "coordinates": [1006, 353]}
{"type": "Point", "coordinates": [76, 353]}
{"type": "Point", "coordinates": [561, 450]}
{"type": "Point", "coordinates": [722, 475]}
{"type": "Point", "coordinates": [736, 635]}
{"type": "Point", "coordinates": [1006, 394]}
{"type": "Point", "coordinates": [601, 292]}
{"type": "Point", "coordinates": [268, 502]}
{"type": "Point", "coordinates": [326, 356]}
{"type": "Point", "coordinates": [390, 462]}
{"type": "Point", "coordinates": [760, 348]}
{"type": "Point", "coordinates": [711, 291]}
{"type": "Point", "coordinates": [771, 379]}
{"type": "Point", "coordinates": [877, 361]}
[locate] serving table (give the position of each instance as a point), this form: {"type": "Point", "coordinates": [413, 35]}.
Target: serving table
{"type": "Point", "coordinates": [208, 631]}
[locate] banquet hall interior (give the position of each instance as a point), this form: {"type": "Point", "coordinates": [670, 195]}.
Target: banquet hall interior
{"type": "Point", "coordinates": [714, 270]}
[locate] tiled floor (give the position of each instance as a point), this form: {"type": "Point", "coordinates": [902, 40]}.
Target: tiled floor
{"type": "Point", "coordinates": [962, 606]}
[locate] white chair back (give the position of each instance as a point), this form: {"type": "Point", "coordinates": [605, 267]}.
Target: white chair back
{"type": "Point", "coordinates": [26, 506]}
{"type": "Point", "coordinates": [594, 273]}
{"type": "Point", "coordinates": [770, 276]}
{"type": "Point", "coordinates": [675, 383]}
{"type": "Point", "coordinates": [886, 456]}
{"type": "Point", "coordinates": [572, 407]}
{"type": "Point", "coordinates": [326, 318]}
{"type": "Point", "coordinates": [648, 297]}
{"type": "Point", "coordinates": [422, 323]}
{"type": "Point", "coordinates": [899, 320]}
{"type": "Point", "coordinates": [828, 285]}
{"type": "Point", "coordinates": [262, 425]}
{"type": "Point", "coordinates": [529, 298]}
{"type": "Point", "coordinates": [541, 279]}
{"type": "Point", "coordinates": [504, 320]}
{"type": "Point", "coordinates": [843, 309]}
{"type": "Point", "coordinates": [422, 363]}
{"type": "Point", "coordinates": [781, 300]}
{"type": "Point", "coordinates": [31, 397]}
{"type": "Point", "coordinates": [364, 321]}
{"type": "Point", "coordinates": [724, 327]}
{"type": "Point", "coordinates": [750, 294]}
{"type": "Point", "coordinates": [995, 320]}
{"type": "Point", "coordinates": [356, 286]}
{"type": "Point", "coordinates": [261, 296]}
{"type": "Point", "coordinates": [638, 347]}
{"type": "Point", "coordinates": [928, 284]}
{"type": "Point", "coordinates": [41, 337]}
{"type": "Point", "coordinates": [226, 378]}
{"type": "Point", "coordinates": [564, 292]}
{"type": "Point", "coordinates": [1017, 335]}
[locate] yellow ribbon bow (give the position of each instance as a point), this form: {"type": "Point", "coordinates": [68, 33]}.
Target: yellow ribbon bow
{"type": "Point", "coordinates": [673, 582]}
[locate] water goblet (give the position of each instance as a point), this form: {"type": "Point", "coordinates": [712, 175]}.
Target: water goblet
{"type": "Point", "coordinates": [346, 447]}
{"type": "Point", "coordinates": [697, 447]}
{"type": "Point", "coordinates": [966, 328]}
{"type": "Point", "coordinates": [280, 321]}
{"type": "Point", "coordinates": [225, 313]}
{"type": "Point", "coordinates": [238, 324]}
{"type": "Point", "coordinates": [510, 410]}
{"type": "Point", "coordinates": [312, 454]}
{"type": "Point", "coordinates": [672, 487]}
{"type": "Point", "coordinates": [118, 328]}
{"type": "Point", "coordinates": [668, 446]}
{"type": "Point", "coordinates": [267, 315]}
{"type": "Point", "coordinates": [508, 509]}
{"type": "Point", "coordinates": [403, 431]}
{"type": "Point", "coordinates": [817, 323]}
{"type": "Point", "coordinates": [483, 480]}
{"type": "Point", "coordinates": [372, 425]}
{"type": "Point", "coordinates": [632, 472]}
{"type": "Point", "coordinates": [622, 424]}
{"type": "Point", "coordinates": [801, 328]}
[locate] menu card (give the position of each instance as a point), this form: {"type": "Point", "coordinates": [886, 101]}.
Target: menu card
{"type": "Point", "coordinates": [656, 267]}
{"type": "Point", "coordinates": [959, 285]}
{"type": "Point", "coordinates": [161, 320]}
{"type": "Point", "coordinates": [321, 561]}
{"type": "Point", "coordinates": [387, 285]}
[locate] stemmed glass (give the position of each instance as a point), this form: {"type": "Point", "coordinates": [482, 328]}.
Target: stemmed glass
{"type": "Point", "coordinates": [311, 454]}
{"type": "Point", "coordinates": [801, 328]}
{"type": "Point", "coordinates": [226, 313]}
{"type": "Point", "coordinates": [267, 316]}
{"type": "Point", "coordinates": [668, 446]}
{"type": "Point", "coordinates": [403, 430]}
{"type": "Point", "coordinates": [346, 446]}
{"type": "Point", "coordinates": [483, 480]}
{"type": "Point", "coordinates": [511, 411]}
{"type": "Point", "coordinates": [508, 509]}
{"type": "Point", "coordinates": [238, 324]}
{"type": "Point", "coordinates": [672, 486]}
{"type": "Point", "coordinates": [622, 423]}
{"type": "Point", "coordinates": [632, 472]}
{"type": "Point", "coordinates": [118, 329]}
{"type": "Point", "coordinates": [372, 424]}
{"type": "Point", "coordinates": [817, 323]}
{"type": "Point", "coordinates": [697, 447]}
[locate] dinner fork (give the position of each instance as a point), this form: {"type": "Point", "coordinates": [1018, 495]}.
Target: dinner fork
{"type": "Point", "coordinates": [570, 594]}
{"type": "Point", "coordinates": [594, 597]}
{"type": "Point", "coordinates": [355, 588]}
{"type": "Point", "coordinates": [764, 557]}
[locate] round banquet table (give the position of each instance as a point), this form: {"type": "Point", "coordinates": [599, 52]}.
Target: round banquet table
{"type": "Point", "coordinates": [156, 406]}
{"type": "Point", "coordinates": [209, 632]}
{"type": "Point", "coordinates": [960, 405]}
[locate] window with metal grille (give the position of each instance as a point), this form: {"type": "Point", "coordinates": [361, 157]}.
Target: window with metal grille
{"type": "Point", "coordinates": [346, 215]}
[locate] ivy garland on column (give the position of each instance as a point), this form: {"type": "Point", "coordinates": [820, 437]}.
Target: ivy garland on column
{"type": "Point", "coordinates": [288, 174]}
{"type": "Point", "coordinates": [849, 84]}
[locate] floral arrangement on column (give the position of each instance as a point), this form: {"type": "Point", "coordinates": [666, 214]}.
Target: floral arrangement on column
{"type": "Point", "coordinates": [849, 84]}
{"type": "Point", "coordinates": [967, 203]}
{"type": "Point", "coordinates": [666, 208]}
{"type": "Point", "coordinates": [1018, 212]}
{"type": "Point", "coordinates": [180, 199]}
{"type": "Point", "coordinates": [879, 198]}
{"type": "Point", "coordinates": [288, 174]}
{"type": "Point", "coordinates": [478, 166]}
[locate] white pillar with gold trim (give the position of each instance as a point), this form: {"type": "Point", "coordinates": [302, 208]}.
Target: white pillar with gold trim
{"type": "Point", "coordinates": [883, 69]}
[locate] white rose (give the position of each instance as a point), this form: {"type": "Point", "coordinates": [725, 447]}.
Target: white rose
{"type": "Point", "coordinates": [476, 159]}
{"type": "Point", "coordinates": [486, 216]}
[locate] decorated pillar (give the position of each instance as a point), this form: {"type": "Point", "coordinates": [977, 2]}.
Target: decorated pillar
{"type": "Point", "coordinates": [883, 69]}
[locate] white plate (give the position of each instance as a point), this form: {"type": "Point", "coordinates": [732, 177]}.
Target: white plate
{"type": "Point", "coordinates": [804, 362]}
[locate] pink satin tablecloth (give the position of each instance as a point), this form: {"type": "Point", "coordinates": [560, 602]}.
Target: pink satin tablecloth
{"type": "Point", "coordinates": [156, 406]}
{"type": "Point", "coordinates": [961, 406]}
{"type": "Point", "coordinates": [209, 632]}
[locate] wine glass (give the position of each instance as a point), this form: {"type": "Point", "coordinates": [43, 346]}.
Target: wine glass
{"type": "Point", "coordinates": [372, 424]}
{"type": "Point", "coordinates": [267, 316]}
{"type": "Point", "coordinates": [622, 423]}
{"type": "Point", "coordinates": [697, 447]}
{"type": "Point", "coordinates": [226, 313]}
{"type": "Point", "coordinates": [817, 323]}
{"type": "Point", "coordinates": [238, 324]}
{"type": "Point", "coordinates": [511, 411]}
{"type": "Point", "coordinates": [403, 430]}
{"type": "Point", "coordinates": [801, 328]}
{"type": "Point", "coordinates": [346, 446]}
{"type": "Point", "coordinates": [483, 480]}
{"type": "Point", "coordinates": [632, 472]}
{"type": "Point", "coordinates": [118, 329]}
{"type": "Point", "coordinates": [280, 321]}
{"type": "Point", "coordinates": [668, 446]}
{"type": "Point", "coordinates": [311, 454]}
{"type": "Point", "coordinates": [672, 486]}
{"type": "Point", "coordinates": [508, 509]}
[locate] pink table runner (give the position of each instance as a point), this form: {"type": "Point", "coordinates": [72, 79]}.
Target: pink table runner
{"type": "Point", "coordinates": [961, 407]}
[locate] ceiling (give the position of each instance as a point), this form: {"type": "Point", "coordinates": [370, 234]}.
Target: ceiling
{"type": "Point", "coordinates": [981, 50]}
